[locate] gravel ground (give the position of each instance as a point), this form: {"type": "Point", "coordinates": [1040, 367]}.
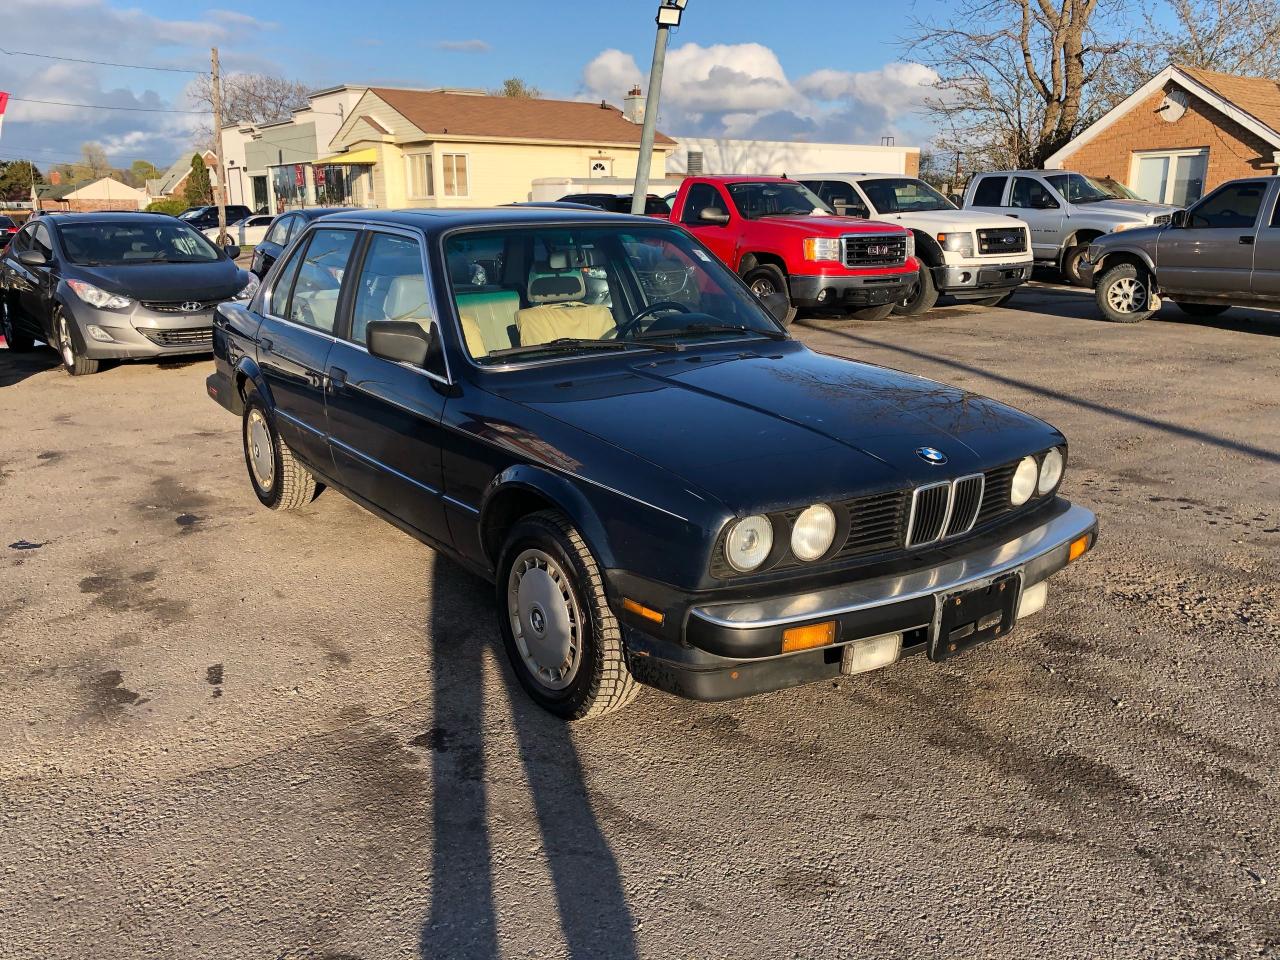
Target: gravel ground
{"type": "Point", "coordinates": [230, 733]}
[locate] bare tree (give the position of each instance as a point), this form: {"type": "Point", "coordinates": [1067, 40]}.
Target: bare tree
{"type": "Point", "coordinates": [518, 89]}
{"type": "Point", "coordinates": [247, 98]}
{"type": "Point", "coordinates": [1017, 78]}
{"type": "Point", "coordinates": [93, 164]}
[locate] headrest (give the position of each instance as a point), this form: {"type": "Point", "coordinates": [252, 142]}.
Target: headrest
{"type": "Point", "coordinates": [407, 299]}
{"type": "Point", "coordinates": [464, 272]}
{"type": "Point", "coordinates": [558, 261]}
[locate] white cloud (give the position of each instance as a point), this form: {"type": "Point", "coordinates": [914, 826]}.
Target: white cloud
{"type": "Point", "coordinates": [464, 46]}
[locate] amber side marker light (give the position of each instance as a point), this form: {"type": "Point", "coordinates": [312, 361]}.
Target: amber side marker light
{"type": "Point", "coordinates": [1078, 548]}
{"type": "Point", "coordinates": [808, 637]}
{"type": "Point", "coordinates": [640, 610]}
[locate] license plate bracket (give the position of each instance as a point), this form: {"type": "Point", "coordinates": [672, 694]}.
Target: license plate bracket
{"type": "Point", "coordinates": [975, 615]}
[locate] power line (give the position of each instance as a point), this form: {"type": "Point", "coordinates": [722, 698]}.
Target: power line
{"type": "Point", "coordinates": [101, 106]}
{"type": "Point", "coordinates": [101, 63]}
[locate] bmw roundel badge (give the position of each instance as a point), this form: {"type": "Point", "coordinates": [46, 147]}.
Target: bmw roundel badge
{"type": "Point", "coordinates": [931, 455]}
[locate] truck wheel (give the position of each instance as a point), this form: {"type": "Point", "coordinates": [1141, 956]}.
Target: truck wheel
{"type": "Point", "coordinates": [1122, 294]}
{"type": "Point", "coordinates": [279, 479]}
{"type": "Point", "coordinates": [562, 638]}
{"type": "Point", "coordinates": [921, 299]}
{"type": "Point", "coordinates": [18, 341]}
{"type": "Point", "coordinates": [73, 360]}
{"type": "Point", "coordinates": [1203, 309]}
{"type": "Point", "coordinates": [872, 313]}
{"type": "Point", "coordinates": [766, 279]}
{"type": "Point", "coordinates": [998, 300]}
{"type": "Point", "coordinates": [1071, 265]}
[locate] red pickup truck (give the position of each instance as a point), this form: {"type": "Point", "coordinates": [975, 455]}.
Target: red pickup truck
{"type": "Point", "coordinates": [780, 237]}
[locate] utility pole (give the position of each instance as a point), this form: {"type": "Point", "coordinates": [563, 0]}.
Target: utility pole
{"type": "Point", "coordinates": [219, 191]}
{"type": "Point", "coordinates": [668, 16]}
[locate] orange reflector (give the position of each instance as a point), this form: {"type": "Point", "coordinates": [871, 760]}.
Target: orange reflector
{"type": "Point", "coordinates": [805, 638]}
{"type": "Point", "coordinates": [640, 610]}
{"type": "Point", "coordinates": [1077, 548]}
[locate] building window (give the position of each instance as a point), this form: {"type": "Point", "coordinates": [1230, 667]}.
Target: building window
{"type": "Point", "coordinates": [418, 173]}
{"type": "Point", "coordinates": [455, 174]}
{"type": "Point", "coordinates": [1169, 176]}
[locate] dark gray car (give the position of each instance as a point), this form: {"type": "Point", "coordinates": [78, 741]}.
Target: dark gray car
{"type": "Point", "coordinates": [1222, 252]}
{"type": "Point", "coordinates": [107, 286]}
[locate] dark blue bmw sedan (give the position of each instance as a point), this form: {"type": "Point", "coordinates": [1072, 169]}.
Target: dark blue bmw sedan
{"type": "Point", "coordinates": [595, 414]}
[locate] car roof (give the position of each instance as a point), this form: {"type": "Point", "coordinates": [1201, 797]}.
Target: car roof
{"type": "Point", "coordinates": [743, 178]}
{"type": "Point", "coordinates": [438, 220]}
{"type": "Point", "coordinates": [113, 216]}
{"type": "Point", "coordinates": [859, 174]}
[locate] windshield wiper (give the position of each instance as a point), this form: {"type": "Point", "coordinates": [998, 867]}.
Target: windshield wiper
{"type": "Point", "coordinates": [563, 344]}
{"type": "Point", "coordinates": [696, 328]}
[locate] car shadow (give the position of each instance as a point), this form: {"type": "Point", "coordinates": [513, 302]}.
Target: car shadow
{"type": "Point", "coordinates": [593, 915]}
{"type": "Point", "coordinates": [16, 367]}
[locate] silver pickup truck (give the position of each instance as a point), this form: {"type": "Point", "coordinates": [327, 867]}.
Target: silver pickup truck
{"type": "Point", "coordinates": [1065, 211]}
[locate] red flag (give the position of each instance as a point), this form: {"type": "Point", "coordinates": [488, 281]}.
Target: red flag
{"type": "Point", "coordinates": [4, 102]}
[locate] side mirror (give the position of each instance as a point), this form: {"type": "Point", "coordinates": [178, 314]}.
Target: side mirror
{"type": "Point", "coordinates": [778, 304]}
{"type": "Point", "coordinates": [712, 215]}
{"type": "Point", "coordinates": [233, 252]}
{"type": "Point", "coordinates": [401, 341]}
{"type": "Point", "coordinates": [32, 258]}
{"type": "Point", "coordinates": [1178, 218]}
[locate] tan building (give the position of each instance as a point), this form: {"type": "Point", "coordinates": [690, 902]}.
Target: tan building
{"type": "Point", "coordinates": [445, 149]}
{"type": "Point", "coordinates": [106, 193]}
{"type": "Point", "coordinates": [1181, 134]}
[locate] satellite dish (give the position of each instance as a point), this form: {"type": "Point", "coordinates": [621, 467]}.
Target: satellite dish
{"type": "Point", "coordinates": [1174, 105]}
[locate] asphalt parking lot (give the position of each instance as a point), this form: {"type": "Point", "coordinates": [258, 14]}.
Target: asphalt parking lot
{"type": "Point", "coordinates": [237, 734]}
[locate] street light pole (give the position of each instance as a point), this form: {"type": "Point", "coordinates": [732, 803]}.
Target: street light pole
{"type": "Point", "coordinates": [669, 14]}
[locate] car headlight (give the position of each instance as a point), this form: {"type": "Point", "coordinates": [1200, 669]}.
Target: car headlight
{"type": "Point", "coordinates": [1024, 481]}
{"type": "Point", "coordinates": [748, 543]}
{"type": "Point", "coordinates": [1050, 471]}
{"type": "Point", "coordinates": [1120, 227]}
{"type": "Point", "coordinates": [822, 248]}
{"type": "Point", "coordinates": [249, 289]}
{"type": "Point", "coordinates": [814, 531]}
{"type": "Point", "coordinates": [96, 297]}
{"type": "Point", "coordinates": [961, 243]}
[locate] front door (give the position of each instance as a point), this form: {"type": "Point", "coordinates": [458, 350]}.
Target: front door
{"type": "Point", "coordinates": [721, 238]}
{"type": "Point", "coordinates": [1213, 254]}
{"type": "Point", "coordinates": [384, 417]}
{"type": "Point", "coordinates": [1266, 251]}
{"type": "Point", "coordinates": [297, 334]}
{"type": "Point", "coordinates": [1035, 203]}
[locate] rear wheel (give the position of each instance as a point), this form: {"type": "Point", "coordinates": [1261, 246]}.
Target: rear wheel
{"type": "Point", "coordinates": [766, 280]}
{"type": "Point", "coordinates": [921, 299]}
{"type": "Point", "coordinates": [1203, 309]}
{"type": "Point", "coordinates": [73, 359]}
{"type": "Point", "coordinates": [279, 479]}
{"type": "Point", "coordinates": [1071, 261]}
{"type": "Point", "coordinates": [1122, 294]}
{"type": "Point", "coordinates": [872, 313]}
{"type": "Point", "coordinates": [18, 341]}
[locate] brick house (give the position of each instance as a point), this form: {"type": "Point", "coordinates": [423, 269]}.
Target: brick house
{"type": "Point", "coordinates": [105, 193]}
{"type": "Point", "coordinates": [1181, 134]}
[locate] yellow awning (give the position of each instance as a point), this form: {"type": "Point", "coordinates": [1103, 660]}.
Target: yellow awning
{"type": "Point", "coordinates": [368, 155]}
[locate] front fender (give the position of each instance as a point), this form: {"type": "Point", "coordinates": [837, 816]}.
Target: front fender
{"type": "Point", "coordinates": [1113, 253]}
{"type": "Point", "coordinates": [518, 485]}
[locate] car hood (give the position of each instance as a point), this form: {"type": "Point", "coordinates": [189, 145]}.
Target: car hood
{"type": "Point", "coordinates": [828, 226]}
{"type": "Point", "coordinates": [764, 428]}
{"type": "Point", "coordinates": [1126, 210]}
{"type": "Point", "coordinates": [941, 221]}
{"type": "Point", "coordinates": [217, 280]}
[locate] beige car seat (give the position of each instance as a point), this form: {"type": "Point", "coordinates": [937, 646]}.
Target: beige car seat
{"type": "Point", "coordinates": [556, 291]}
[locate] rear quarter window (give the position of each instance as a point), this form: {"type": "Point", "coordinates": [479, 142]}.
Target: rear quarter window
{"type": "Point", "coordinates": [990, 191]}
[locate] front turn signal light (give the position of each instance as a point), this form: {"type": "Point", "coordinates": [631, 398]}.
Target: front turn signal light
{"type": "Point", "coordinates": [808, 637]}
{"type": "Point", "coordinates": [640, 610]}
{"type": "Point", "coordinates": [1078, 548]}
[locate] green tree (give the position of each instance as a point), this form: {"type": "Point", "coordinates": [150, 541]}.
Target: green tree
{"type": "Point", "coordinates": [171, 207]}
{"type": "Point", "coordinates": [516, 88]}
{"type": "Point", "coordinates": [198, 190]}
{"type": "Point", "coordinates": [140, 171]}
{"type": "Point", "coordinates": [15, 179]}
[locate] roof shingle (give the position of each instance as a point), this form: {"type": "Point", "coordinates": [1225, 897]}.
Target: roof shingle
{"type": "Point", "coordinates": [1256, 96]}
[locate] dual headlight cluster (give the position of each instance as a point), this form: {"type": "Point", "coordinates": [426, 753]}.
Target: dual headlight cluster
{"type": "Point", "coordinates": [750, 540]}
{"type": "Point", "coordinates": [1036, 478]}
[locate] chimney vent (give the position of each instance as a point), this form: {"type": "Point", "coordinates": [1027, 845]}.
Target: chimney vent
{"type": "Point", "coordinates": [633, 105]}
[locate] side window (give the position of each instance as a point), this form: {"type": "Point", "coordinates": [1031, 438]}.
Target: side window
{"type": "Point", "coordinates": [700, 197]}
{"type": "Point", "coordinates": [844, 199]}
{"type": "Point", "coordinates": [314, 302]}
{"type": "Point", "coordinates": [1031, 194]}
{"type": "Point", "coordinates": [279, 301]}
{"type": "Point", "coordinates": [279, 232]}
{"type": "Point", "coordinates": [990, 192]}
{"type": "Point", "coordinates": [23, 240]}
{"type": "Point", "coordinates": [1235, 206]}
{"type": "Point", "coordinates": [40, 240]}
{"type": "Point", "coordinates": [392, 285]}
{"type": "Point", "coordinates": [1275, 217]}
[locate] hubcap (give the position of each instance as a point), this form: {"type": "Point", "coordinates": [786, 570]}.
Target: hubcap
{"type": "Point", "coordinates": [64, 343]}
{"type": "Point", "coordinates": [546, 620]}
{"type": "Point", "coordinates": [1127, 295]}
{"type": "Point", "coordinates": [763, 287]}
{"type": "Point", "coordinates": [262, 458]}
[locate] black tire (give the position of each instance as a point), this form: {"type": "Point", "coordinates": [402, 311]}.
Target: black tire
{"type": "Point", "coordinates": [1123, 283]}
{"type": "Point", "coordinates": [289, 484]}
{"type": "Point", "coordinates": [765, 279]}
{"type": "Point", "coordinates": [999, 300]}
{"type": "Point", "coordinates": [921, 299]}
{"type": "Point", "coordinates": [18, 341]}
{"type": "Point", "coordinates": [596, 679]}
{"type": "Point", "coordinates": [1203, 309]}
{"type": "Point", "coordinates": [1071, 265]}
{"type": "Point", "coordinates": [70, 348]}
{"type": "Point", "coordinates": [872, 313]}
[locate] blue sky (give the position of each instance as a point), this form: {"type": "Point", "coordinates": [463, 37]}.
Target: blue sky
{"type": "Point", "coordinates": [803, 68]}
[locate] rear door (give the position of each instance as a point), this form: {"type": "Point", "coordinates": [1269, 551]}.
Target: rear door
{"type": "Point", "coordinates": [1214, 253]}
{"type": "Point", "coordinates": [722, 239]}
{"type": "Point", "coordinates": [297, 334]}
{"type": "Point", "coordinates": [841, 197]}
{"type": "Point", "coordinates": [989, 193]}
{"type": "Point", "coordinates": [384, 417]}
{"type": "Point", "coordinates": [1033, 201]}
{"type": "Point", "coordinates": [1266, 250]}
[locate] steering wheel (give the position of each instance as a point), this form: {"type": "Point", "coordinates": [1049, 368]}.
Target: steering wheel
{"type": "Point", "coordinates": [629, 325]}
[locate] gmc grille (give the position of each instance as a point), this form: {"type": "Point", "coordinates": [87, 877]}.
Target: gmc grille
{"type": "Point", "coordinates": [184, 337]}
{"type": "Point", "coordinates": [875, 250]}
{"type": "Point", "coordinates": [1002, 240]}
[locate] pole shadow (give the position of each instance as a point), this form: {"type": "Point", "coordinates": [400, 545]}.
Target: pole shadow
{"type": "Point", "coordinates": [593, 915]}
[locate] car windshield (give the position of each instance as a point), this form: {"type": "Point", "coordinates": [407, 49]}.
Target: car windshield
{"type": "Point", "coordinates": [776, 199]}
{"type": "Point", "coordinates": [130, 242]}
{"type": "Point", "coordinates": [1078, 188]}
{"type": "Point", "coordinates": [904, 195]}
{"type": "Point", "coordinates": [538, 292]}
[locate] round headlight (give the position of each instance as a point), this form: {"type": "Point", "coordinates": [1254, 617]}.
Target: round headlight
{"type": "Point", "coordinates": [1024, 481]}
{"type": "Point", "coordinates": [1050, 471]}
{"type": "Point", "coordinates": [748, 543]}
{"type": "Point", "coordinates": [814, 530]}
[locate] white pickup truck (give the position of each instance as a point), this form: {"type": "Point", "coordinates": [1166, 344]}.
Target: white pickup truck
{"type": "Point", "coordinates": [977, 257]}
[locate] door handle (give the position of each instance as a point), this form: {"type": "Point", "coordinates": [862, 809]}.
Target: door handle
{"type": "Point", "coordinates": [1247, 240]}
{"type": "Point", "coordinates": [265, 343]}
{"type": "Point", "coordinates": [337, 379]}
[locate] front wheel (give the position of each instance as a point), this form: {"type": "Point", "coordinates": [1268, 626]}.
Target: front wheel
{"type": "Point", "coordinates": [766, 280]}
{"type": "Point", "coordinates": [1122, 294]}
{"type": "Point", "coordinates": [18, 341]}
{"type": "Point", "coordinates": [73, 359]}
{"type": "Point", "coordinates": [1071, 261]}
{"type": "Point", "coordinates": [1203, 309]}
{"type": "Point", "coordinates": [279, 479]}
{"type": "Point", "coordinates": [921, 299]}
{"type": "Point", "coordinates": [559, 632]}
